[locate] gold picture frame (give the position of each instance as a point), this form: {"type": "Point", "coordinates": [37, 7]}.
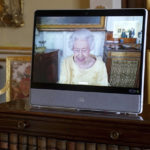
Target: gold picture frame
{"type": "Point", "coordinates": [18, 69]}
{"type": "Point", "coordinates": [11, 13]}
{"type": "Point", "coordinates": [3, 90]}
{"type": "Point", "coordinates": [65, 24]}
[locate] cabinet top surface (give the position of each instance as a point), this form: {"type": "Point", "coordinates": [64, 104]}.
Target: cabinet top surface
{"type": "Point", "coordinates": [22, 107]}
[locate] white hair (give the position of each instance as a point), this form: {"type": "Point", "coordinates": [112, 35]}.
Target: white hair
{"type": "Point", "coordinates": [82, 34]}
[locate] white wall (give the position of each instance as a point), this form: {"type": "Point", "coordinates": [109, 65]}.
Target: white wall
{"type": "Point", "coordinates": [63, 37]}
{"type": "Point", "coordinates": [23, 36]}
{"type": "Point", "coordinates": [106, 3]}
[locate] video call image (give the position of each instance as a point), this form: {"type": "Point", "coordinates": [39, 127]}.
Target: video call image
{"type": "Point", "coordinates": [98, 51]}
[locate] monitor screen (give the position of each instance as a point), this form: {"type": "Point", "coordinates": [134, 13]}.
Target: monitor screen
{"type": "Point", "coordinates": [81, 58]}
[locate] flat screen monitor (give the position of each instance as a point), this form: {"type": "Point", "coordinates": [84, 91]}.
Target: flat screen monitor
{"type": "Point", "coordinates": [89, 60]}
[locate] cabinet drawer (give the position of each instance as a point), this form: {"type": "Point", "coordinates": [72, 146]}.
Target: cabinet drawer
{"type": "Point", "coordinates": [77, 129]}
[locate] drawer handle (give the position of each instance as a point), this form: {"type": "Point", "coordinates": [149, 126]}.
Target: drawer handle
{"type": "Point", "coordinates": [22, 124]}
{"type": "Point", "coordinates": [114, 135]}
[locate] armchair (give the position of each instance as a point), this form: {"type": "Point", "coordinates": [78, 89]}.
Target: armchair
{"type": "Point", "coordinates": [17, 77]}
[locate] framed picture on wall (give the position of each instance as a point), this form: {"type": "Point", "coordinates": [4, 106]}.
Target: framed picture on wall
{"type": "Point", "coordinates": [71, 22]}
{"type": "Point", "coordinates": [11, 13]}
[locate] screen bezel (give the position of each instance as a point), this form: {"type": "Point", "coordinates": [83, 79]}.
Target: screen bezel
{"type": "Point", "coordinates": [89, 88]}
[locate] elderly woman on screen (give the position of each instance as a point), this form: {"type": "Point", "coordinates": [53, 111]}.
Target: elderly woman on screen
{"type": "Point", "coordinates": [82, 67]}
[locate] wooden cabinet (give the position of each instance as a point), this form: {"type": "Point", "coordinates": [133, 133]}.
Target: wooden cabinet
{"type": "Point", "coordinates": [22, 127]}
{"type": "Point", "coordinates": [46, 67]}
{"type": "Point", "coordinates": [123, 59]}
{"type": "Point", "coordinates": [123, 67]}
